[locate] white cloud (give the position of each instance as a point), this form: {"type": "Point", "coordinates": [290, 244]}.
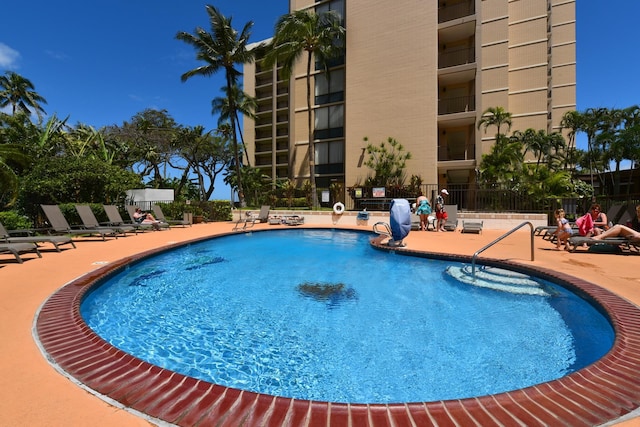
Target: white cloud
{"type": "Point", "coordinates": [8, 56]}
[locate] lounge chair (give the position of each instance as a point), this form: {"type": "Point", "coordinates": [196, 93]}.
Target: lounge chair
{"type": "Point", "coordinates": [547, 231]}
{"type": "Point", "coordinates": [31, 237]}
{"type": "Point", "coordinates": [472, 227]}
{"type": "Point", "coordinates": [157, 211]}
{"type": "Point", "coordinates": [250, 220]}
{"type": "Point", "coordinates": [614, 212]}
{"type": "Point", "coordinates": [18, 248]}
{"type": "Point", "coordinates": [452, 217]}
{"type": "Point", "coordinates": [115, 219]}
{"type": "Point", "coordinates": [89, 220]}
{"type": "Point", "coordinates": [294, 220]}
{"type": "Point", "coordinates": [610, 243]}
{"type": "Point", "coordinates": [431, 222]}
{"type": "Point", "coordinates": [627, 215]}
{"type": "Point", "coordinates": [59, 225]}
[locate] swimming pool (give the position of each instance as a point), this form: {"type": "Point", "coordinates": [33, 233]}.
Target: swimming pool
{"type": "Point", "coordinates": [594, 395]}
{"type": "Point", "coordinates": [320, 315]}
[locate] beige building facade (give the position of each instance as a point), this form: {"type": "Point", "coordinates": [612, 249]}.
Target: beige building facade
{"type": "Point", "coordinates": [421, 72]}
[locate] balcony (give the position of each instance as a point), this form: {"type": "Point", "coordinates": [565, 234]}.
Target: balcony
{"type": "Point", "coordinates": [458, 104]}
{"type": "Point", "coordinates": [456, 151]}
{"type": "Point", "coordinates": [456, 11]}
{"type": "Point", "coordinates": [452, 58]}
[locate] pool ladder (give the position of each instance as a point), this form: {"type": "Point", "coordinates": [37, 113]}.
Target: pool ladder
{"type": "Point", "coordinates": [382, 229]}
{"type": "Point", "coordinates": [484, 248]}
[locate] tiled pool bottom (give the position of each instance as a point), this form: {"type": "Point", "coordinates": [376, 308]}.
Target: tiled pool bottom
{"type": "Point", "coordinates": [594, 395]}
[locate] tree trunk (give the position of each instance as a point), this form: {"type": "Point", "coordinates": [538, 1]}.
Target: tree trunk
{"type": "Point", "coordinates": [312, 148]}
{"type": "Point", "coordinates": [234, 136]}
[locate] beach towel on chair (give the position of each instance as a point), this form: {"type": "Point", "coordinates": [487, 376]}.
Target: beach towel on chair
{"type": "Point", "coordinates": [585, 224]}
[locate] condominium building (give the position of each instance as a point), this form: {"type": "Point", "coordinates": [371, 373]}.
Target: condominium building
{"type": "Point", "coordinates": [421, 72]}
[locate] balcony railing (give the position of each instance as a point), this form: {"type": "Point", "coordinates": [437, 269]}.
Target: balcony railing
{"type": "Point", "coordinates": [458, 104]}
{"type": "Point", "coordinates": [450, 152]}
{"type": "Point", "coordinates": [451, 58]}
{"type": "Point", "coordinates": [455, 11]}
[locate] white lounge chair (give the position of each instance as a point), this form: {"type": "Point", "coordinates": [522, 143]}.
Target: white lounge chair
{"type": "Point", "coordinates": [471, 227]}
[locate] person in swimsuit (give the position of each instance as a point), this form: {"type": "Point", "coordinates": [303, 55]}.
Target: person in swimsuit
{"type": "Point", "coordinates": [564, 230]}
{"type": "Point", "coordinates": [600, 220]}
{"type": "Point", "coordinates": [620, 230]}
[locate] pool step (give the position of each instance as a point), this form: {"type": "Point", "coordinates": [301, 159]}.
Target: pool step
{"type": "Point", "coordinates": [497, 279]}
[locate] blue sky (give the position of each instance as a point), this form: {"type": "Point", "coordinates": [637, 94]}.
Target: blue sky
{"type": "Point", "coordinates": [100, 63]}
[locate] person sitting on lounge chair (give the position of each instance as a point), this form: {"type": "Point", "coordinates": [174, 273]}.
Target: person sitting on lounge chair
{"type": "Point", "coordinates": [600, 220]}
{"type": "Point", "coordinates": [146, 218]}
{"type": "Point", "coordinates": [620, 230]}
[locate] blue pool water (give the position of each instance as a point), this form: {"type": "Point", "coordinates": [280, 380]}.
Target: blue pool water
{"type": "Point", "coordinates": [320, 315]}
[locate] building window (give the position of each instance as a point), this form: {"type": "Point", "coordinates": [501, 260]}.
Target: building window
{"type": "Point", "coordinates": [329, 87]}
{"type": "Point", "coordinates": [336, 5]}
{"type": "Point", "coordinates": [329, 157]}
{"type": "Point", "coordinates": [329, 122]}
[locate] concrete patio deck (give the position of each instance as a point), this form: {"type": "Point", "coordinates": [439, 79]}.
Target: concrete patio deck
{"type": "Point", "coordinates": [35, 394]}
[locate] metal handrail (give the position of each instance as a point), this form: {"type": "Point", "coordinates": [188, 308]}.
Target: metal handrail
{"type": "Point", "coordinates": [385, 232]}
{"type": "Point", "coordinates": [475, 255]}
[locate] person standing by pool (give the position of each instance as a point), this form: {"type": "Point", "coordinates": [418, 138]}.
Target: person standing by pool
{"type": "Point", "coordinates": [424, 210]}
{"type": "Point", "coordinates": [441, 213]}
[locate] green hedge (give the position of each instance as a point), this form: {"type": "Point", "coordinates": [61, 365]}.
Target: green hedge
{"type": "Point", "coordinates": [212, 210]}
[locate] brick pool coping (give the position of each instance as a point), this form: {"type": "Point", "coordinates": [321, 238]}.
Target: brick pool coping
{"type": "Point", "coordinates": [601, 392]}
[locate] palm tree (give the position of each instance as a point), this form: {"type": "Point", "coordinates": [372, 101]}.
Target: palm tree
{"type": "Point", "coordinates": [221, 49]}
{"type": "Point", "coordinates": [572, 121]}
{"type": "Point", "coordinates": [304, 31]}
{"type": "Point", "coordinates": [245, 104]}
{"type": "Point", "coordinates": [10, 154]}
{"type": "Point", "coordinates": [502, 167]}
{"type": "Point", "coordinates": [495, 116]}
{"type": "Point", "coordinates": [591, 122]}
{"type": "Point", "coordinates": [19, 92]}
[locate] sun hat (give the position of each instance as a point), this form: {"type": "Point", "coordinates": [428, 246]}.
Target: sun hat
{"type": "Point", "coordinates": [444, 190]}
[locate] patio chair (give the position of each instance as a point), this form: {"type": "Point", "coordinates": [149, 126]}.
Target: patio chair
{"type": "Point", "coordinates": [614, 213]}
{"type": "Point", "coordinates": [31, 237]}
{"type": "Point", "coordinates": [415, 222]}
{"type": "Point", "coordinates": [452, 217]}
{"type": "Point", "coordinates": [115, 219]}
{"type": "Point", "coordinates": [157, 211]}
{"type": "Point", "coordinates": [472, 227]}
{"type": "Point", "coordinates": [609, 244]}
{"type": "Point", "coordinates": [89, 220]}
{"type": "Point", "coordinates": [250, 220]}
{"type": "Point", "coordinates": [294, 220]}
{"type": "Point", "coordinates": [627, 215]}
{"type": "Point", "coordinates": [59, 225]}
{"type": "Point", "coordinates": [18, 248]}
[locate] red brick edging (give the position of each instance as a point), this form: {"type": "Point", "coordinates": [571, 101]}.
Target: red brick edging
{"type": "Point", "coordinates": [601, 392]}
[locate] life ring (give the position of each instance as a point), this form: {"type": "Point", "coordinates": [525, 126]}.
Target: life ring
{"type": "Point", "coordinates": [338, 208]}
